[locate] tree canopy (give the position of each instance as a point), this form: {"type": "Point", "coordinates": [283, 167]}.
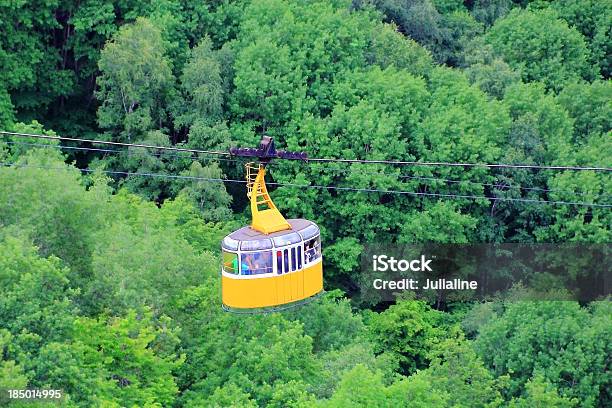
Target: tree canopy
{"type": "Point", "coordinates": [109, 254]}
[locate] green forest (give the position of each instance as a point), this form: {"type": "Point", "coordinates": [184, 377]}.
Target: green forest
{"type": "Point", "coordinates": [109, 280]}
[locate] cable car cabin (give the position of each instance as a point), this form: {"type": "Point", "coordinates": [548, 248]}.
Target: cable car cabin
{"type": "Point", "coordinates": [274, 262]}
{"type": "Point", "coordinates": [267, 270]}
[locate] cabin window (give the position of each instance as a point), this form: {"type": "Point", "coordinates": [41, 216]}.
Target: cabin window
{"type": "Point", "coordinates": [230, 243]}
{"type": "Point", "coordinates": [279, 262]}
{"type": "Point", "coordinates": [299, 257]}
{"type": "Point", "coordinates": [293, 259]}
{"type": "Point", "coordinates": [309, 232]}
{"type": "Point", "coordinates": [287, 239]}
{"type": "Point", "coordinates": [286, 252]}
{"type": "Point", "coordinates": [312, 250]}
{"type": "Point", "coordinates": [256, 263]}
{"type": "Point", "coordinates": [230, 262]}
{"type": "Point", "coordinates": [256, 245]}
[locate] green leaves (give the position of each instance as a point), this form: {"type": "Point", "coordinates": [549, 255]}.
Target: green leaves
{"type": "Point", "coordinates": [389, 47]}
{"type": "Point", "coordinates": [259, 353]}
{"type": "Point", "coordinates": [12, 376]}
{"type": "Point", "coordinates": [28, 58]}
{"type": "Point", "coordinates": [441, 222]}
{"type": "Point", "coordinates": [287, 57]}
{"type": "Point", "coordinates": [370, 387]}
{"type": "Point", "coordinates": [136, 77]}
{"type": "Point", "coordinates": [6, 109]}
{"type": "Point", "coordinates": [407, 330]}
{"type": "Point", "coordinates": [114, 297]}
{"type": "Point", "coordinates": [163, 339]}
{"type": "Point", "coordinates": [456, 369]}
{"type": "Point", "coordinates": [590, 106]}
{"type": "Point", "coordinates": [119, 350]}
{"type": "Point", "coordinates": [540, 393]}
{"type": "Point", "coordinates": [592, 18]}
{"type": "Point", "coordinates": [440, 26]}
{"type": "Point", "coordinates": [203, 86]}
{"type": "Point", "coordinates": [541, 46]}
{"type": "Point", "coordinates": [562, 342]}
{"type": "Point", "coordinates": [35, 294]}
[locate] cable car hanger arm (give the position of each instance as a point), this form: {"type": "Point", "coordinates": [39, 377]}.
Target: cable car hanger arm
{"type": "Point", "coordinates": [267, 151]}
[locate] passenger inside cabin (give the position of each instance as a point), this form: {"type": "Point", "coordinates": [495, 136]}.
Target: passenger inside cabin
{"type": "Point", "coordinates": [249, 260]}
{"type": "Point", "coordinates": [309, 250]}
{"type": "Point", "coordinates": [256, 263]}
{"type": "Point", "coordinates": [245, 267]}
{"type": "Point", "coordinates": [265, 262]}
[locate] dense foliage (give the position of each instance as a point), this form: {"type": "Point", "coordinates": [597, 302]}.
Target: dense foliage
{"type": "Point", "coordinates": [109, 283]}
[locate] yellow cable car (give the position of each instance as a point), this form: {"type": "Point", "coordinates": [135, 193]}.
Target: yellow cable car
{"type": "Point", "coordinates": [274, 263]}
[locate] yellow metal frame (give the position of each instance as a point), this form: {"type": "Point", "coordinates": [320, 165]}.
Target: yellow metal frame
{"type": "Point", "coordinates": [268, 219]}
{"type": "Point", "coordinates": [272, 291]}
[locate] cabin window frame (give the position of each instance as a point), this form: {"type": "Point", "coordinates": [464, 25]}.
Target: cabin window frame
{"type": "Point", "coordinates": [230, 244]}
{"type": "Point", "coordinates": [296, 253]}
{"type": "Point", "coordinates": [235, 257]}
{"type": "Point", "coordinates": [265, 256]}
{"type": "Point", "coordinates": [256, 245]}
{"type": "Point", "coordinates": [308, 249]}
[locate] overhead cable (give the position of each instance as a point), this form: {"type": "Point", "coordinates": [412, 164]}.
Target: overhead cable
{"type": "Point", "coordinates": [336, 188]}
{"type": "Point", "coordinates": [501, 187]}
{"type": "Point", "coordinates": [326, 160]}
